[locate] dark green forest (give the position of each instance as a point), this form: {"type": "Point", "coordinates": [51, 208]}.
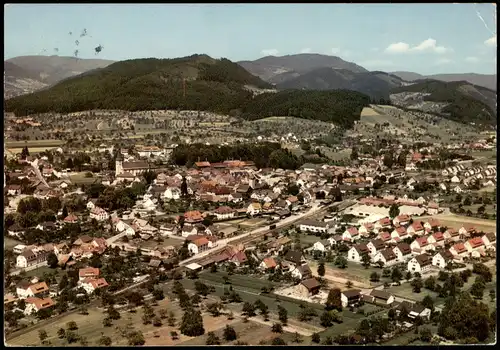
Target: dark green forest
{"type": "Point", "coordinates": [196, 82]}
{"type": "Point", "coordinates": [264, 155]}
{"type": "Point", "coordinates": [465, 105]}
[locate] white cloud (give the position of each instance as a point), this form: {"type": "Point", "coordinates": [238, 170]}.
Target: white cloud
{"type": "Point", "coordinates": [306, 50]}
{"type": "Point", "coordinates": [374, 49]}
{"type": "Point", "coordinates": [336, 50]}
{"type": "Point", "coordinates": [428, 45]}
{"type": "Point", "coordinates": [491, 41]}
{"type": "Point", "coordinates": [471, 59]}
{"type": "Point", "coordinates": [269, 52]}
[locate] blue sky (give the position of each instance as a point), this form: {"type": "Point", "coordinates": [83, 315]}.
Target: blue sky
{"type": "Point", "coordinates": [423, 38]}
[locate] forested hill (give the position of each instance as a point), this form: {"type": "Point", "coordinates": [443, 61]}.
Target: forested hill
{"type": "Point", "coordinates": [463, 102]}
{"type": "Point", "coordinates": [342, 107]}
{"type": "Point", "coordinates": [197, 82]}
{"type": "Point", "coordinates": [194, 82]}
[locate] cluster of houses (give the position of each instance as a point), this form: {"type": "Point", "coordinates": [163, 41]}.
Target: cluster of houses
{"type": "Point", "coordinates": [38, 295]}
{"type": "Point", "coordinates": [459, 177]}
{"type": "Point", "coordinates": [420, 245]}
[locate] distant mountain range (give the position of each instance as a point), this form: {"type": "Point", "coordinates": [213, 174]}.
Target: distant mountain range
{"type": "Point", "coordinates": [26, 74]}
{"type": "Point", "coordinates": [485, 80]}
{"type": "Point", "coordinates": [322, 72]}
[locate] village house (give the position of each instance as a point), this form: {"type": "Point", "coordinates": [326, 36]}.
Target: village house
{"type": "Point", "coordinates": [314, 226]}
{"type": "Point", "coordinates": [399, 233]}
{"type": "Point", "coordinates": [91, 284]}
{"type": "Point", "coordinates": [356, 252]}
{"type": "Point", "coordinates": [224, 213]}
{"type": "Point", "coordinates": [365, 229]}
{"type": "Point", "coordinates": [415, 228]}
{"type": "Point", "coordinates": [402, 251]}
{"type": "Point", "coordinates": [91, 204]}
{"type": "Point", "coordinates": [451, 234]}
{"type": "Point", "coordinates": [34, 304]}
{"type": "Point", "coordinates": [172, 193]}
{"type": "Point", "coordinates": [432, 224]}
{"type": "Point", "coordinates": [13, 190]}
{"type": "Point", "coordinates": [99, 214]}
{"type": "Point", "coordinates": [420, 245]}
{"type": "Point", "coordinates": [413, 310]}
{"type": "Point", "coordinates": [387, 256]}
{"type": "Point", "coordinates": [401, 220]}
{"type": "Point", "coordinates": [295, 257]}
{"type": "Point", "coordinates": [489, 239]}
{"type": "Point", "coordinates": [71, 219]}
{"type": "Point", "coordinates": [254, 209]}
{"type": "Point", "coordinates": [322, 246]}
{"type": "Point", "coordinates": [459, 251]}
{"type": "Point", "coordinates": [25, 290]}
{"type": "Point", "coordinates": [383, 223]}
{"type": "Point", "coordinates": [375, 245]}
{"type": "Point", "coordinates": [382, 297]}
{"type": "Point", "coordinates": [432, 208]}
{"type": "Point", "coordinates": [309, 287]}
{"type": "Point", "coordinates": [88, 272]}
{"type": "Point", "coordinates": [350, 297]}
{"type": "Point", "coordinates": [268, 264]}
{"type": "Point", "coordinates": [436, 239]}
{"type": "Point", "coordinates": [420, 263]}
{"type": "Point", "coordinates": [350, 234]}
{"type": "Point", "coordinates": [193, 217]}
{"type": "Point", "coordinates": [30, 257]}
{"type": "Point", "coordinates": [198, 245]}
{"type": "Point", "coordinates": [442, 259]}
{"type": "Point", "coordinates": [301, 272]}
{"type": "Point", "coordinates": [474, 244]}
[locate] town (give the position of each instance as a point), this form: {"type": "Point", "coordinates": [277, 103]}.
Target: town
{"type": "Point", "coordinates": [121, 243]}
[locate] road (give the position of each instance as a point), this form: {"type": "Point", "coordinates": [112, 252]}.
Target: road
{"type": "Point", "coordinates": [315, 209]}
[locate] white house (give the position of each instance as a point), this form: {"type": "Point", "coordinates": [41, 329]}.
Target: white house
{"type": "Point", "coordinates": [322, 246]}
{"type": "Point", "coordinates": [420, 263]}
{"type": "Point", "coordinates": [420, 244]}
{"type": "Point", "coordinates": [382, 297]}
{"type": "Point", "coordinates": [350, 234]}
{"type": "Point", "coordinates": [313, 226]}
{"type": "Point", "coordinates": [198, 245]}
{"type": "Point", "coordinates": [442, 258]}
{"type": "Point", "coordinates": [99, 214]}
{"type": "Point", "coordinates": [350, 297]}
{"type": "Point", "coordinates": [415, 229]}
{"type": "Point", "coordinates": [356, 252]}
{"type": "Point", "coordinates": [29, 258]}
{"type": "Point", "coordinates": [399, 233]}
{"type": "Point", "coordinates": [34, 305]}
{"type": "Point", "coordinates": [90, 284]}
{"type": "Point", "coordinates": [402, 251]}
{"type": "Point", "coordinates": [489, 239]}
{"type": "Point", "coordinates": [121, 227]}
{"type": "Point", "coordinates": [26, 290]}
{"type": "Point", "coordinates": [387, 256]}
{"type": "Point", "coordinates": [224, 213]}
{"type": "Point", "coordinates": [401, 220]}
{"type": "Point", "coordinates": [254, 209]}
{"type": "Point", "coordinates": [375, 245]}
{"type": "Point", "coordinates": [474, 244]}
{"type": "Point", "coordinates": [172, 193]}
{"type": "Point", "coordinates": [455, 180]}
{"type": "Point", "coordinates": [91, 204]}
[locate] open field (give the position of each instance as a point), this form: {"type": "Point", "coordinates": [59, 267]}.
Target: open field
{"type": "Point", "coordinates": [368, 112]}
{"type": "Point", "coordinates": [34, 143]}
{"type": "Point", "coordinates": [252, 222]}
{"type": "Point", "coordinates": [32, 149]}
{"type": "Point", "coordinates": [355, 273]}
{"type": "Point", "coordinates": [457, 221]}
{"type": "Point", "coordinates": [405, 291]}
{"type": "Point", "coordinates": [10, 243]}
{"type": "Point", "coordinates": [214, 124]}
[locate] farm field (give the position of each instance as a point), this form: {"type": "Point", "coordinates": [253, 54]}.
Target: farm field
{"type": "Point", "coordinates": [10, 243]}
{"type": "Point", "coordinates": [32, 149]}
{"type": "Point", "coordinates": [34, 143]}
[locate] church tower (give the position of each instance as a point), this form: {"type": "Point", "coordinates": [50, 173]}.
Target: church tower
{"type": "Point", "coordinates": [119, 163]}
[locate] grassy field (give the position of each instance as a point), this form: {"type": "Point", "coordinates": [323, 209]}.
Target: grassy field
{"type": "Point", "coordinates": [32, 149]}
{"type": "Point", "coordinates": [405, 291]}
{"type": "Point", "coordinates": [10, 243]}
{"type": "Point", "coordinates": [215, 124]}
{"type": "Point", "coordinates": [80, 178]}
{"type": "Point", "coordinates": [34, 143]}
{"type": "Point", "coordinates": [368, 112]}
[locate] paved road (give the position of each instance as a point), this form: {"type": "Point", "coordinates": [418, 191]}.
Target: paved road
{"type": "Point", "coordinates": [222, 243]}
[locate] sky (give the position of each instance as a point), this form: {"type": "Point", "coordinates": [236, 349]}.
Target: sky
{"type": "Point", "coordinates": [421, 38]}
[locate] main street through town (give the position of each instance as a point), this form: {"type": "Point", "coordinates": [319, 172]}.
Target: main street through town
{"type": "Point", "coordinates": [314, 210]}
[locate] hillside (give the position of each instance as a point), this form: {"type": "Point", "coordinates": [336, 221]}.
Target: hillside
{"type": "Point", "coordinates": [459, 101]}
{"type": "Point", "coordinates": [198, 82]}
{"type": "Point", "coordinates": [488, 81]}
{"type": "Point", "coordinates": [19, 81]}
{"type": "Point", "coordinates": [278, 69]}
{"type": "Point", "coordinates": [27, 74]}
{"type": "Point", "coordinates": [340, 106]}
{"type": "Point", "coordinates": [377, 85]}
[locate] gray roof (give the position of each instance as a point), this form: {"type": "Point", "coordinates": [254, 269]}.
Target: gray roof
{"type": "Point", "coordinates": [351, 293]}
{"type": "Point", "coordinates": [380, 294]}
{"type": "Point", "coordinates": [314, 223]}
{"type": "Point", "coordinates": [294, 256]}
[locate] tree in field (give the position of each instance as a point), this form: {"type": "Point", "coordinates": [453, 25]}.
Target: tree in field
{"type": "Point", "coordinates": [192, 323]}
{"type": "Point", "coordinates": [42, 335]}
{"type": "Point", "coordinates": [354, 153]}
{"type": "Point", "coordinates": [71, 337]}
{"type": "Point", "coordinates": [374, 277]}
{"type": "Point", "coordinates": [326, 319]}
{"type": "Point", "coordinates": [417, 285]}
{"type": "Point", "coordinates": [334, 301]}
{"type": "Point", "coordinates": [148, 314]}
{"type": "Point", "coordinates": [212, 339]}
{"type": "Point", "coordinates": [315, 338]}
{"type": "Point", "coordinates": [174, 335]}
{"type": "Point", "coordinates": [349, 284]}
{"type": "Point", "coordinates": [321, 269]}
{"type": "Point", "coordinates": [394, 211]}
{"type": "Point", "coordinates": [282, 314]}
{"type": "Point", "coordinates": [278, 341]}
{"type": "Point", "coordinates": [229, 333]}
{"type": "Point", "coordinates": [248, 309]}
{"type": "Point", "coordinates": [277, 328]}
{"type": "Point", "coordinates": [72, 326]}
{"type": "Point", "coordinates": [61, 333]}
{"type": "Point", "coordinates": [106, 322]}
{"type": "Point", "coordinates": [297, 338]}
{"type": "Point", "coordinates": [136, 338]}
{"type": "Point", "coordinates": [396, 275]}
{"type": "Point", "coordinates": [365, 260]}
{"type": "Point", "coordinates": [214, 309]}
{"type": "Point", "coordinates": [428, 302]}
{"type": "Point", "coordinates": [52, 260]}
{"type": "Point", "coordinates": [157, 321]}
{"type": "Point", "coordinates": [104, 341]}
{"type": "Point", "coordinates": [171, 319]}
